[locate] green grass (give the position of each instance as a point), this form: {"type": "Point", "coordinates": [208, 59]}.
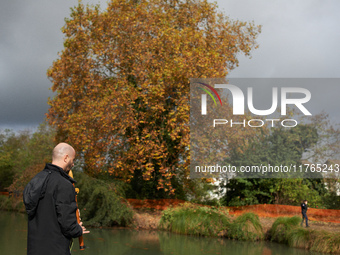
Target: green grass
{"type": "Point", "coordinates": [281, 227]}
{"type": "Point", "coordinates": [299, 238]}
{"type": "Point", "coordinates": [205, 221]}
{"type": "Point", "coordinates": [246, 227]}
{"type": "Point", "coordinates": [195, 220]}
{"type": "Point", "coordinates": [287, 230]}
{"type": "Point", "coordinates": [320, 241]}
{"type": "Point", "coordinates": [326, 242]}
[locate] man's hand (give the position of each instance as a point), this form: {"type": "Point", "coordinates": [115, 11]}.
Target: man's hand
{"type": "Point", "coordinates": [84, 229]}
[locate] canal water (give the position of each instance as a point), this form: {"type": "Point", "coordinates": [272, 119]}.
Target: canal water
{"type": "Point", "coordinates": [13, 238]}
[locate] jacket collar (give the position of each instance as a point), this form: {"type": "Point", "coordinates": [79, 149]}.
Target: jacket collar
{"type": "Point", "coordinates": [58, 169]}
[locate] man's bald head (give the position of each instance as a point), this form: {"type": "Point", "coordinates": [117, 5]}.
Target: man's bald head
{"type": "Point", "coordinates": [63, 155]}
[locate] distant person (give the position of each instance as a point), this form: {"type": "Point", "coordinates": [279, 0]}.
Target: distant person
{"type": "Point", "coordinates": [51, 207]}
{"type": "Point", "coordinates": [304, 212]}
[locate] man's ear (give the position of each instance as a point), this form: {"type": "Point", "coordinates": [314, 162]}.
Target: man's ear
{"type": "Point", "coordinates": [65, 158]}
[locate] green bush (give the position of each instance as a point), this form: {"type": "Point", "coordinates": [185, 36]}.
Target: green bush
{"type": "Point", "coordinates": [332, 201]}
{"type": "Point", "coordinates": [195, 220]}
{"type": "Point", "coordinates": [322, 241]}
{"type": "Point", "coordinates": [101, 202]}
{"type": "Point", "coordinates": [246, 227]}
{"type": "Point", "coordinates": [319, 241]}
{"type": "Point", "coordinates": [299, 238]}
{"type": "Point", "coordinates": [287, 230]}
{"type": "Point", "coordinates": [5, 203]}
{"type": "Point", "coordinates": [281, 227]}
{"type": "Point", "coordinates": [6, 176]}
{"type": "Point", "coordinates": [211, 221]}
{"type": "Point", "coordinates": [11, 204]}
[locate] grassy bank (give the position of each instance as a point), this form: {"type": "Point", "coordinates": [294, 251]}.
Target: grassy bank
{"type": "Point", "coordinates": [246, 227]}
{"type": "Point", "coordinates": [196, 220]}
{"type": "Point", "coordinates": [210, 221]}
{"type": "Point", "coordinates": [288, 231]}
{"type": "Point", "coordinates": [191, 219]}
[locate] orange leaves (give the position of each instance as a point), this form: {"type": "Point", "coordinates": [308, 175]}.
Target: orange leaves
{"type": "Point", "coordinates": [122, 81]}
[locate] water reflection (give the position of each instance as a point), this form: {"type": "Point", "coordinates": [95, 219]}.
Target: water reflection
{"type": "Point", "coordinates": [13, 240]}
{"type": "Point", "coordinates": [124, 241]}
{"type": "Point", "coordinates": [121, 241]}
{"type": "Point", "coordinates": [13, 229]}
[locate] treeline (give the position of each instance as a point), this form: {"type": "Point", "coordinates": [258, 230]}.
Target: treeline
{"type": "Point", "coordinates": [23, 154]}
{"type": "Point", "coordinates": [287, 147]}
{"type": "Point", "coordinates": [102, 197]}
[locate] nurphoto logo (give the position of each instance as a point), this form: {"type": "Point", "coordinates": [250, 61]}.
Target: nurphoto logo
{"type": "Point", "coordinates": [238, 97]}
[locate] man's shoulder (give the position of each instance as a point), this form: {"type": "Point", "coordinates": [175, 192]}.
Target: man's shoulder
{"type": "Point", "coordinates": [57, 178]}
{"type": "Point", "coordinates": [34, 191]}
{"type": "Point", "coordinates": [58, 174]}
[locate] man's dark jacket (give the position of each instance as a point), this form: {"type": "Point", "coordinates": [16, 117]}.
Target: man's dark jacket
{"type": "Point", "coordinates": [304, 208]}
{"type": "Point", "coordinates": [51, 207]}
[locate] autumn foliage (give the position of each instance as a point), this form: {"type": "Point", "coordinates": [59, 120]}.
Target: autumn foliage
{"type": "Point", "coordinates": [122, 82]}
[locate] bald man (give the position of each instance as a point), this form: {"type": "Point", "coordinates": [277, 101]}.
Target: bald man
{"type": "Point", "coordinates": [51, 207]}
{"type": "Point", "coordinates": [63, 156]}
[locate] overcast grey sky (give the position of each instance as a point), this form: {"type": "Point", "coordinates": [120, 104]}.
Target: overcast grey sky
{"type": "Point", "coordinates": [299, 39]}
